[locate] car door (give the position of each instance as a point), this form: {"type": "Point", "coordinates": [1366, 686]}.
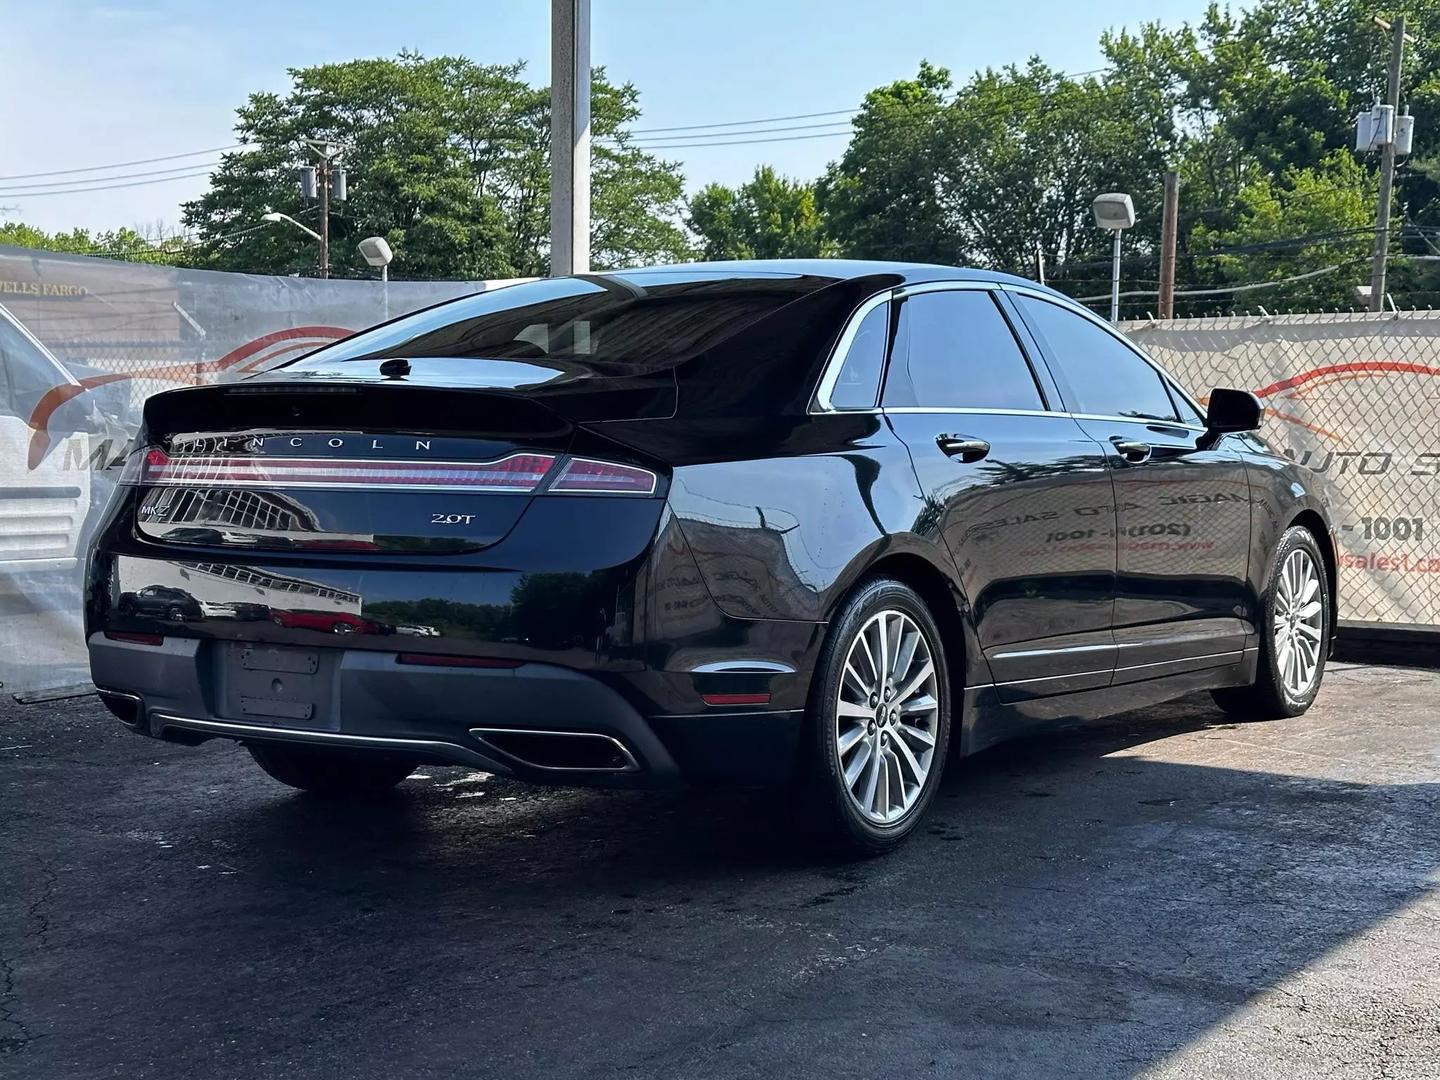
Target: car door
{"type": "Point", "coordinates": [1182, 500]}
{"type": "Point", "coordinates": [1020, 493]}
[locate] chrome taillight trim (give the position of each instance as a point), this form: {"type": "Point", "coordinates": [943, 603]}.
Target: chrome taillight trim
{"type": "Point", "coordinates": [352, 474]}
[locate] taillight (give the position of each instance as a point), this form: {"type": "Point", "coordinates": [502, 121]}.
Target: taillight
{"type": "Point", "coordinates": [133, 638]}
{"type": "Point", "coordinates": [516, 473]}
{"type": "Point", "coordinates": [523, 472]}
{"type": "Point", "coordinates": [603, 477]}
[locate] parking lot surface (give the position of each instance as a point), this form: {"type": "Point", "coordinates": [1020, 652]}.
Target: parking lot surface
{"type": "Point", "coordinates": [1165, 894]}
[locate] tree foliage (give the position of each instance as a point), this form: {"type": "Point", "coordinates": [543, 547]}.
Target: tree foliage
{"type": "Point", "coordinates": [767, 217]}
{"type": "Point", "coordinates": [128, 244]}
{"type": "Point", "coordinates": [1254, 109]}
{"type": "Point", "coordinates": [446, 158]}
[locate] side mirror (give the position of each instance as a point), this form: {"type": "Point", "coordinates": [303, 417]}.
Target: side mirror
{"type": "Point", "coordinates": [1233, 411]}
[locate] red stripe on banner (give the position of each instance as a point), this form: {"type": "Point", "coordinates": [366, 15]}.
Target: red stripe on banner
{"type": "Point", "coordinates": [1369, 366]}
{"type": "Point", "coordinates": [53, 398]}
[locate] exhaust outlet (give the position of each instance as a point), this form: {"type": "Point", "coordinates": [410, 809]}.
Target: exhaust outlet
{"type": "Point", "coordinates": [560, 751]}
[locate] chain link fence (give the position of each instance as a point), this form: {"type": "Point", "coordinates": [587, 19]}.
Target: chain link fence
{"type": "Point", "coordinates": [83, 343]}
{"type": "Point", "coordinates": [1356, 398]}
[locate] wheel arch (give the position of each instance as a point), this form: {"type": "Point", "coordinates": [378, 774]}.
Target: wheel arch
{"type": "Point", "coordinates": [1315, 525]}
{"type": "Point", "coordinates": [946, 604]}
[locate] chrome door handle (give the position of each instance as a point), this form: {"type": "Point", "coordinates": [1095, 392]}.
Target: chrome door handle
{"type": "Point", "coordinates": [962, 446]}
{"type": "Point", "coordinates": [1132, 449]}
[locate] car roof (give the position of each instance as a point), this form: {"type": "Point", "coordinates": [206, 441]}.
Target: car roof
{"type": "Point", "coordinates": [834, 269]}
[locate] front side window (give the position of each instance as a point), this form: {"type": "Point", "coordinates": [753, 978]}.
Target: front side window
{"type": "Point", "coordinates": [1105, 377]}
{"type": "Point", "coordinates": [1187, 412]}
{"type": "Point", "coordinates": [955, 350]}
{"type": "Point", "coordinates": [858, 384]}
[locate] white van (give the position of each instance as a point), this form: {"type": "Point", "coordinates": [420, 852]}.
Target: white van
{"type": "Point", "coordinates": [42, 505]}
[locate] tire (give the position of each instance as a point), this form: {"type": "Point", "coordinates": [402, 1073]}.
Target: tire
{"type": "Point", "coordinates": [343, 774]}
{"type": "Point", "coordinates": [177, 614]}
{"type": "Point", "coordinates": [1288, 675]}
{"type": "Point", "coordinates": [857, 802]}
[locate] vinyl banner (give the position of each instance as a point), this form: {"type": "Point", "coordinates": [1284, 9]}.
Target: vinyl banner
{"type": "Point", "coordinates": [83, 342]}
{"type": "Point", "coordinates": [1356, 398]}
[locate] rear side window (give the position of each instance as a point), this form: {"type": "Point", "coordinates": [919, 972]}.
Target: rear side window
{"type": "Point", "coordinates": [955, 350]}
{"type": "Point", "coordinates": [858, 384]}
{"type": "Point", "coordinates": [1104, 376]}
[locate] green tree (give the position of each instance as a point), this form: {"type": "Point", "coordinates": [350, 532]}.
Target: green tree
{"type": "Point", "coordinates": [991, 172]}
{"type": "Point", "coordinates": [447, 159]}
{"type": "Point", "coordinates": [1331, 206]}
{"type": "Point", "coordinates": [767, 217]}
{"type": "Point", "coordinates": [129, 245]}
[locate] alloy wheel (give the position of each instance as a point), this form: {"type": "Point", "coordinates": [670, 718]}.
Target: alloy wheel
{"type": "Point", "coordinates": [1299, 623]}
{"type": "Point", "coordinates": [887, 716]}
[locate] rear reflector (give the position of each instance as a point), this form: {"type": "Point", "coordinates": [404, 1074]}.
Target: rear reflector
{"type": "Point", "coordinates": [135, 639]}
{"type": "Point", "coordinates": [736, 699]}
{"type": "Point", "coordinates": [518, 472]}
{"type": "Point", "coordinates": [427, 660]}
{"type": "Point", "coordinates": [604, 477]}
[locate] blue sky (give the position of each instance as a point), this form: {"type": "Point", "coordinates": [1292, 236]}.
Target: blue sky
{"type": "Point", "coordinates": [95, 83]}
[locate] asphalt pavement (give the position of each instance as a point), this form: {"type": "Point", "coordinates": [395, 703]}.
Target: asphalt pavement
{"type": "Point", "coordinates": [1164, 894]}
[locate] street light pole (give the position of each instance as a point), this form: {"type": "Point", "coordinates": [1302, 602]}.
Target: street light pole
{"type": "Point", "coordinates": [1114, 211]}
{"type": "Point", "coordinates": [1115, 279]}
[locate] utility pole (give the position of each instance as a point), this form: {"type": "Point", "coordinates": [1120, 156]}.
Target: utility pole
{"type": "Point", "coordinates": [1169, 230]}
{"type": "Point", "coordinates": [331, 180]}
{"type": "Point", "coordinates": [569, 137]}
{"type": "Point", "coordinates": [1387, 170]}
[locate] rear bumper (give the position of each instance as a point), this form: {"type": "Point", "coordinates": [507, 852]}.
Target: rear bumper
{"type": "Point", "coordinates": [538, 722]}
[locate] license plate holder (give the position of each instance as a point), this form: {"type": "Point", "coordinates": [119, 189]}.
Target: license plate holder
{"type": "Point", "coordinates": [278, 685]}
{"type": "Point", "coordinates": [269, 658]}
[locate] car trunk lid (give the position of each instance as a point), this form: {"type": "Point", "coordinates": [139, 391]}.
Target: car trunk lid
{"type": "Point", "coordinates": [350, 465]}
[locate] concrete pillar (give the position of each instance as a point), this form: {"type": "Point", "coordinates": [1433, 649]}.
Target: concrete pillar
{"type": "Point", "coordinates": [569, 137]}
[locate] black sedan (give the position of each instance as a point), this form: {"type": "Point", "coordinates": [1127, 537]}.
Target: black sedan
{"type": "Point", "coordinates": [805, 523]}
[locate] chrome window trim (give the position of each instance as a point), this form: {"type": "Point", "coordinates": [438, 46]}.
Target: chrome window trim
{"type": "Point", "coordinates": [1042, 412]}
{"type": "Point", "coordinates": [943, 286]}
{"type": "Point", "coordinates": [1137, 420]}
{"type": "Point", "coordinates": [820, 400]}
{"type": "Point", "coordinates": [970, 410]}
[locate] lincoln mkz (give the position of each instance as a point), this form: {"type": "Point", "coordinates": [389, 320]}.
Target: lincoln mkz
{"type": "Point", "coordinates": [812, 524]}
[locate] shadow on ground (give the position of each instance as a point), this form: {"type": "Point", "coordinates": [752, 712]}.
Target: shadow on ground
{"type": "Point", "coordinates": [1075, 905]}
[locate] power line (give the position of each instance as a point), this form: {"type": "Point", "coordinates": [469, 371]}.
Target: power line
{"type": "Point", "coordinates": [746, 123]}
{"type": "Point", "coordinates": [117, 176]}
{"type": "Point", "coordinates": [811, 116]}
{"type": "Point", "coordinates": [1249, 287]}
{"type": "Point", "coordinates": [101, 187]}
{"type": "Point", "coordinates": [736, 134]}
{"type": "Point", "coordinates": [740, 142]}
{"type": "Point", "coordinates": [124, 164]}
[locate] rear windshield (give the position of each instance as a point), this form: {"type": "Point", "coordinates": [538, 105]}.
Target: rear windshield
{"type": "Point", "coordinates": [639, 322]}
